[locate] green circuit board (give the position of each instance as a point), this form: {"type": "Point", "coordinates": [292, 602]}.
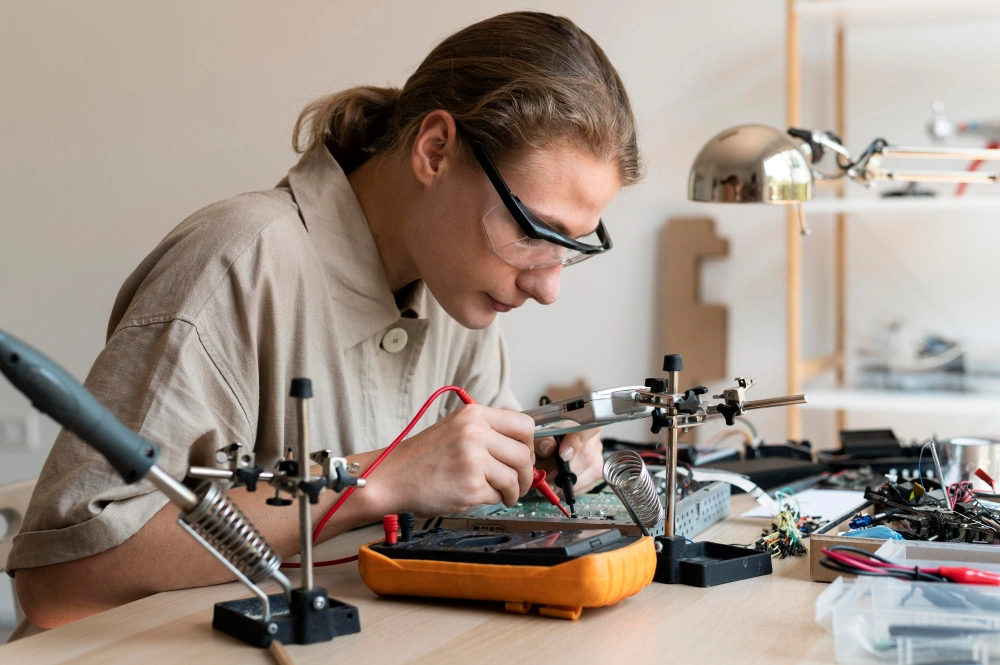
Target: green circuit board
{"type": "Point", "coordinates": [704, 506]}
{"type": "Point", "coordinates": [602, 506]}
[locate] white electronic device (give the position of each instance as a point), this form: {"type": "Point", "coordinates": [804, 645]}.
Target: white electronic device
{"type": "Point", "coordinates": [595, 409]}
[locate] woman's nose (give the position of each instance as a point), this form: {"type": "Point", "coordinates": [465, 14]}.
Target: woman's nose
{"type": "Point", "coordinates": [542, 284]}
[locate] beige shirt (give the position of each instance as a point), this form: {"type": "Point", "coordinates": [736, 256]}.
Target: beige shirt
{"type": "Point", "coordinates": [208, 332]}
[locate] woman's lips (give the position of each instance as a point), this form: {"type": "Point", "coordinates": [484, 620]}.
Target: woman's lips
{"type": "Point", "coordinates": [499, 306]}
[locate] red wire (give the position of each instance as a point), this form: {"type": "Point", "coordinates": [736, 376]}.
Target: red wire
{"type": "Point", "coordinates": [870, 565]}
{"type": "Point", "coordinates": [974, 166]}
{"type": "Point", "coordinates": [964, 493]}
{"type": "Point", "coordinates": [462, 395]}
{"type": "Point", "coordinates": [320, 564]}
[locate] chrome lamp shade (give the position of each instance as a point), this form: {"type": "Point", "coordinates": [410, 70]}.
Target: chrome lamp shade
{"type": "Point", "coordinates": [751, 164]}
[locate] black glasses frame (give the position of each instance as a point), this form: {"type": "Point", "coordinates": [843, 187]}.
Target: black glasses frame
{"type": "Point", "coordinates": [529, 223]}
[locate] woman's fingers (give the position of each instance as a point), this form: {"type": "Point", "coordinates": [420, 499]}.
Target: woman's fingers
{"type": "Point", "coordinates": [546, 446]}
{"type": "Point", "coordinates": [514, 455]}
{"type": "Point", "coordinates": [504, 480]}
{"type": "Point", "coordinates": [574, 443]}
{"type": "Point", "coordinates": [588, 460]}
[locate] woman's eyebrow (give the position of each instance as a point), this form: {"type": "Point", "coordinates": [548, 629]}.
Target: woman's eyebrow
{"type": "Point", "coordinates": [554, 224]}
{"type": "Point", "coordinates": [563, 228]}
{"type": "Point", "coordinates": [557, 225]}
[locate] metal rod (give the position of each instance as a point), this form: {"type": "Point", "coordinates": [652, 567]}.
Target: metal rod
{"type": "Point", "coordinates": [671, 521]}
{"type": "Point", "coordinates": [769, 402]}
{"type": "Point", "coordinates": [178, 494]}
{"type": "Point", "coordinates": [673, 381]}
{"type": "Point", "coordinates": [305, 509]}
{"type": "Point", "coordinates": [208, 473]}
{"type": "Point", "coordinates": [257, 591]}
{"type": "Point", "coordinates": [970, 177]}
{"type": "Point", "coordinates": [970, 154]}
{"type": "Point", "coordinates": [940, 473]}
{"type": "Point", "coordinates": [630, 509]}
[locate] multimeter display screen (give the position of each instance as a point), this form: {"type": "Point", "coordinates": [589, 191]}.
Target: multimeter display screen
{"type": "Point", "coordinates": [530, 549]}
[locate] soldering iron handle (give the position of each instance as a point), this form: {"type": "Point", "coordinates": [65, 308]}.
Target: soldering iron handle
{"type": "Point", "coordinates": [54, 392]}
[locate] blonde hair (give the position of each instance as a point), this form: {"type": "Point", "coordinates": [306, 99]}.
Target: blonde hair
{"type": "Point", "coordinates": [512, 81]}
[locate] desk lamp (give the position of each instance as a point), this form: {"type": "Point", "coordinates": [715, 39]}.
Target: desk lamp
{"type": "Point", "coordinates": [761, 164]}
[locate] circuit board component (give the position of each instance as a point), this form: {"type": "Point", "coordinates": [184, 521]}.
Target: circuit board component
{"type": "Point", "coordinates": [702, 507]}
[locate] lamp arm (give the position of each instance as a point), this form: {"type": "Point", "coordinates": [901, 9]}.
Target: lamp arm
{"type": "Point", "coordinates": [814, 144]}
{"type": "Point", "coordinates": [867, 168]}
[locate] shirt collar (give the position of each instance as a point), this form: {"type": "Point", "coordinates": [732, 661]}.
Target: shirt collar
{"type": "Point", "coordinates": [334, 219]}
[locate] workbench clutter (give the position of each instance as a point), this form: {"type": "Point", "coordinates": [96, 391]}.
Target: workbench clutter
{"type": "Point", "coordinates": [561, 569]}
{"type": "Point", "coordinates": [562, 561]}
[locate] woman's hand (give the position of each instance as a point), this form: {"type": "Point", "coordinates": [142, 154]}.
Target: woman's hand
{"type": "Point", "coordinates": [475, 455]}
{"type": "Point", "coordinates": [583, 451]}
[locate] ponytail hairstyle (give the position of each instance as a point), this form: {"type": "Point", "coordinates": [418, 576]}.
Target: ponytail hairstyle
{"type": "Point", "coordinates": [513, 81]}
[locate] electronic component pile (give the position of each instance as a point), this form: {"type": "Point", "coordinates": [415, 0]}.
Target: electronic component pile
{"type": "Point", "coordinates": [918, 514]}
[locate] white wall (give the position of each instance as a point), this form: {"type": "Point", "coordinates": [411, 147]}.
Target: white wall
{"type": "Point", "coordinates": [118, 119]}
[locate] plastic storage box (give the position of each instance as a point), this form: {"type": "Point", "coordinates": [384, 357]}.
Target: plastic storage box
{"type": "Point", "coordinates": [886, 620]}
{"type": "Point", "coordinates": [931, 555]}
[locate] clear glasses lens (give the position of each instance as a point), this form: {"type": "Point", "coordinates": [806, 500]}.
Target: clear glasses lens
{"type": "Point", "coordinates": [511, 244]}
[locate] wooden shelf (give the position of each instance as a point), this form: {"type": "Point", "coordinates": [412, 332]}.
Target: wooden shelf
{"type": "Point", "coordinates": [893, 12]}
{"type": "Point", "coordinates": [903, 204]}
{"type": "Point", "coordinates": [843, 15]}
{"type": "Point", "coordinates": [890, 401]}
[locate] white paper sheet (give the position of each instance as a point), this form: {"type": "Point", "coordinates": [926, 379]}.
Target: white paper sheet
{"type": "Point", "coordinates": [824, 505]}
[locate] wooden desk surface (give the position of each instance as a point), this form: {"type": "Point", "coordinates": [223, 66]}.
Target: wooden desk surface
{"type": "Point", "coordinates": [764, 620]}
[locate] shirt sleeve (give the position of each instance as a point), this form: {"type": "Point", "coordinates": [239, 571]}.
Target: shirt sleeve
{"type": "Point", "coordinates": [159, 380]}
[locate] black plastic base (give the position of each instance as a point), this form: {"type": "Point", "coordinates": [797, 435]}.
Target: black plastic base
{"type": "Point", "coordinates": [300, 624]}
{"type": "Point", "coordinates": [706, 564]}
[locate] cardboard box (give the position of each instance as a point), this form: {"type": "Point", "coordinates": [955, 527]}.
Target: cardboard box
{"type": "Point", "coordinates": [827, 536]}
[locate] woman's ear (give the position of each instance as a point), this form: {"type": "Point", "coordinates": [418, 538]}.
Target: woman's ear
{"type": "Point", "coordinates": [435, 148]}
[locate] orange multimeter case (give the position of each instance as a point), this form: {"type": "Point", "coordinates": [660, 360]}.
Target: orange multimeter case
{"type": "Point", "coordinates": [561, 571]}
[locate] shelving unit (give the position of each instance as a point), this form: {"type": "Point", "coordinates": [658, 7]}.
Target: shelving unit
{"type": "Point", "coordinates": [870, 205]}
{"type": "Point", "coordinates": [844, 14]}
{"type": "Point", "coordinates": [895, 401]}
{"type": "Point", "coordinates": [869, 12]}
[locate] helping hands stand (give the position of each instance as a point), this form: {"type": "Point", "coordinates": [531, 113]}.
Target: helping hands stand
{"type": "Point", "coordinates": [299, 616]}
{"type": "Point", "coordinates": [703, 563]}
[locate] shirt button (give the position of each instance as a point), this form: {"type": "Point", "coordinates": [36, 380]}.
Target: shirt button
{"type": "Point", "coordinates": [395, 340]}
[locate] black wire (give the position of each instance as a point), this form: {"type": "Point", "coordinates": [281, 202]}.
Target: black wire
{"type": "Point", "coordinates": [851, 570]}
{"type": "Point", "coordinates": [920, 461]}
{"type": "Point", "coordinates": [909, 575]}
{"type": "Point", "coordinates": [914, 574]}
{"type": "Point", "coordinates": [858, 550]}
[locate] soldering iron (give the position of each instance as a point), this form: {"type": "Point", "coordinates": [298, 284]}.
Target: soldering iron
{"type": "Point", "coordinates": [297, 615]}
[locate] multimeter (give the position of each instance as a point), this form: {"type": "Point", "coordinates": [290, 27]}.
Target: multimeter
{"type": "Point", "coordinates": [560, 571]}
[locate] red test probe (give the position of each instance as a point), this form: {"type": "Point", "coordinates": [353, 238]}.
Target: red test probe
{"type": "Point", "coordinates": [847, 559]}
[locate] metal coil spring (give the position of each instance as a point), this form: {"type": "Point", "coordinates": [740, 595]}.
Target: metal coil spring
{"type": "Point", "coordinates": [220, 522]}
{"type": "Point", "coordinates": [626, 474]}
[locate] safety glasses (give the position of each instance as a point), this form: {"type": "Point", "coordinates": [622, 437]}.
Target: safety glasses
{"type": "Point", "coordinates": [524, 241]}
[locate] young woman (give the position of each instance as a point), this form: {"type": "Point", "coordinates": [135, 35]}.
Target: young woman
{"type": "Point", "coordinates": [376, 268]}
